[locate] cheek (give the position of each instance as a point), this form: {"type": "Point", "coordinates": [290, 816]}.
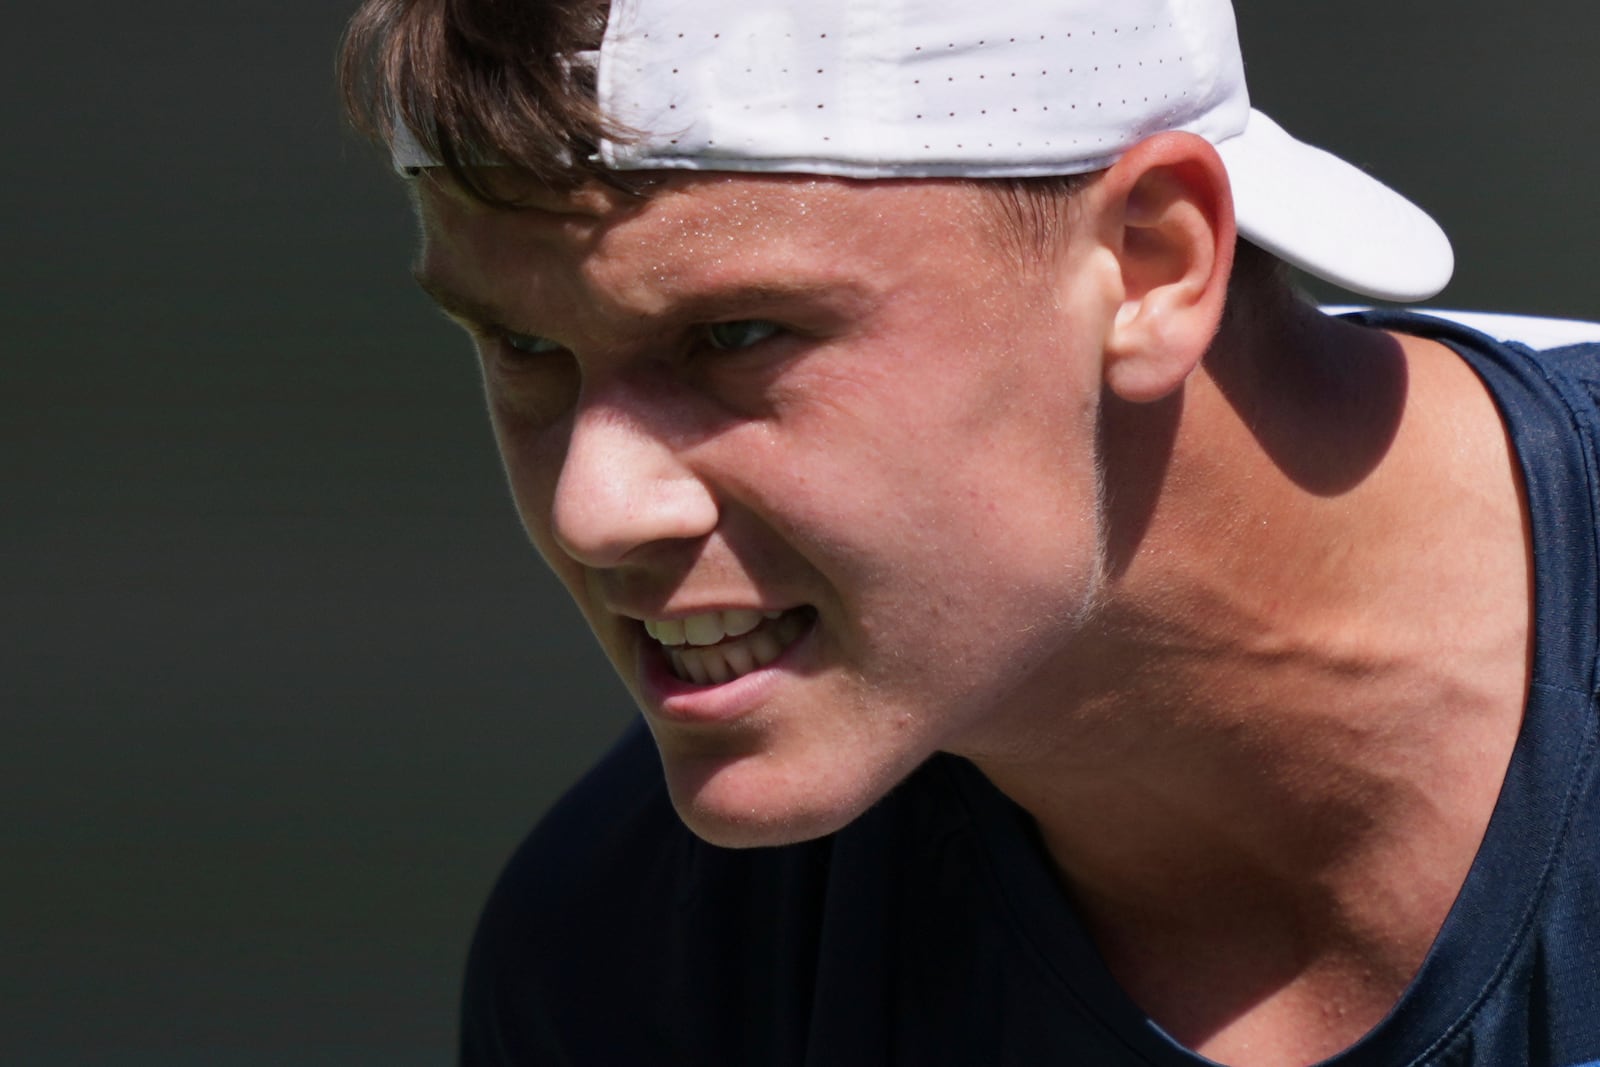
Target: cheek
{"type": "Point", "coordinates": [982, 446]}
{"type": "Point", "coordinates": [951, 519]}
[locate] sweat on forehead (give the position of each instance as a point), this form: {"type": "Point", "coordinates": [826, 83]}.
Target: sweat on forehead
{"type": "Point", "coordinates": [693, 195]}
{"type": "Point", "coordinates": [696, 227]}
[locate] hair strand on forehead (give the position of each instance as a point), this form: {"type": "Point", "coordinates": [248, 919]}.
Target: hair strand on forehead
{"type": "Point", "coordinates": [482, 82]}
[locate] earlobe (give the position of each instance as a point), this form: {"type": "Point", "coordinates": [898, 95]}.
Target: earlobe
{"type": "Point", "coordinates": [1167, 215]}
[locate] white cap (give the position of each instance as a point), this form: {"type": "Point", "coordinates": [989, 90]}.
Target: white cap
{"type": "Point", "coordinates": [992, 88]}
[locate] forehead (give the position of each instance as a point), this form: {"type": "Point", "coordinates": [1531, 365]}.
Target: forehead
{"type": "Point", "coordinates": [687, 232]}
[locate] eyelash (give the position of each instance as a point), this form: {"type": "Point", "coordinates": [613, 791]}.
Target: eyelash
{"type": "Point", "coordinates": [532, 345]}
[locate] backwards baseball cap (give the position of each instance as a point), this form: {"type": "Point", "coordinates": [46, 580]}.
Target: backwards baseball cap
{"type": "Point", "coordinates": [976, 89]}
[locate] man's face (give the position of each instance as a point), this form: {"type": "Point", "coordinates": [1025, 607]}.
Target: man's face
{"type": "Point", "coordinates": [853, 416]}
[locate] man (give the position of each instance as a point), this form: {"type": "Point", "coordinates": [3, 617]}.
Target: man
{"type": "Point", "coordinates": [1059, 643]}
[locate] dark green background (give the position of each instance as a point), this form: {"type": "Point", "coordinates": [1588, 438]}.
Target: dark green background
{"type": "Point", "coordinates": [282, 683]}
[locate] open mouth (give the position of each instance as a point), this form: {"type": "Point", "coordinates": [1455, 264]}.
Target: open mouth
{"type": "Point", "coordinates": [718, 646]}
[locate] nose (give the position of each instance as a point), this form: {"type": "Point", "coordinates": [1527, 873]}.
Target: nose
{"type": "Point", "coordinates": [624, 485]}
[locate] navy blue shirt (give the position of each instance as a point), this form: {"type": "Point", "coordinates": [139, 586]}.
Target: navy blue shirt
{"type": "Point", "coordinates": [932, 931]}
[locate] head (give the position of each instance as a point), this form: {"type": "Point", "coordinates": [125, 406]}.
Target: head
{"type": "Point", "coordinates": [817, 452]}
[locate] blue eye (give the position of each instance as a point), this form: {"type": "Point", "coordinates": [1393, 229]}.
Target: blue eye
{"type": "Point", "coordinates": [529, 345]}
{"type": "Point", "coordinates": [740, 333]}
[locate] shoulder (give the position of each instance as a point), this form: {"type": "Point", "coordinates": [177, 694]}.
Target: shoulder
{"type": "Point", "coordinates": [1531, 331]}
{"type": "Point", "coordinates": [1566, 347]}
{"type": "Point", "coordinates": [1573, 342]}
{"type": "Point", "coordinates": [1542, 359]}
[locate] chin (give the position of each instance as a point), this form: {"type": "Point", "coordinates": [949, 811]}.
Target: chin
{"type": "Point", "coordinates": [737, 805]}
{"type": "Point", "coordinates": [731, 831]}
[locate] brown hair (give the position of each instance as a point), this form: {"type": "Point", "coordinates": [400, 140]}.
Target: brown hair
{"type": "Point", "coordinates": [481, 81]}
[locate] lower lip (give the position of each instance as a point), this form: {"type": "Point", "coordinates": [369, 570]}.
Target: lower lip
{"type": "Point", "coordinates": [675, 700]}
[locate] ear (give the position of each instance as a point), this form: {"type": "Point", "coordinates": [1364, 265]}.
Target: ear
{"type": "Point", "coordinates": [1165, 211]}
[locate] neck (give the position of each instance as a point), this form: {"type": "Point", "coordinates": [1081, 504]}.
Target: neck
{"type": "Point", "coordinates": [1265, 772]}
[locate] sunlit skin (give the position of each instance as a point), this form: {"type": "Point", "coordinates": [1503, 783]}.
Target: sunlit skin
{"type": "Point", "coordinates": [923, 392]}
{"type": "Point", "coordinates": [1178, 586]}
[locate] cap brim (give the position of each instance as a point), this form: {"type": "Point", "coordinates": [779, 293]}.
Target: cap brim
{"type": "Point", "coordinates": [1330, 219]}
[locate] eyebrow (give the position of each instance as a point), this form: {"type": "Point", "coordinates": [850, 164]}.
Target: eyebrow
{"type": "Point", "coordinates": [708, 304]}
{"type": "Point", "coordinates": [714, 301]}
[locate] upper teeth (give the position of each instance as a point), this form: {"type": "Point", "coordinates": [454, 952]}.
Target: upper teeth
{"type": "Point", "coordinates": [707, 628]}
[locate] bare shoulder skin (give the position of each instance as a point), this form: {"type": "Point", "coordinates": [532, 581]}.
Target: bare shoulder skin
{"type": "Point", "coordinates": [1238, 611]}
